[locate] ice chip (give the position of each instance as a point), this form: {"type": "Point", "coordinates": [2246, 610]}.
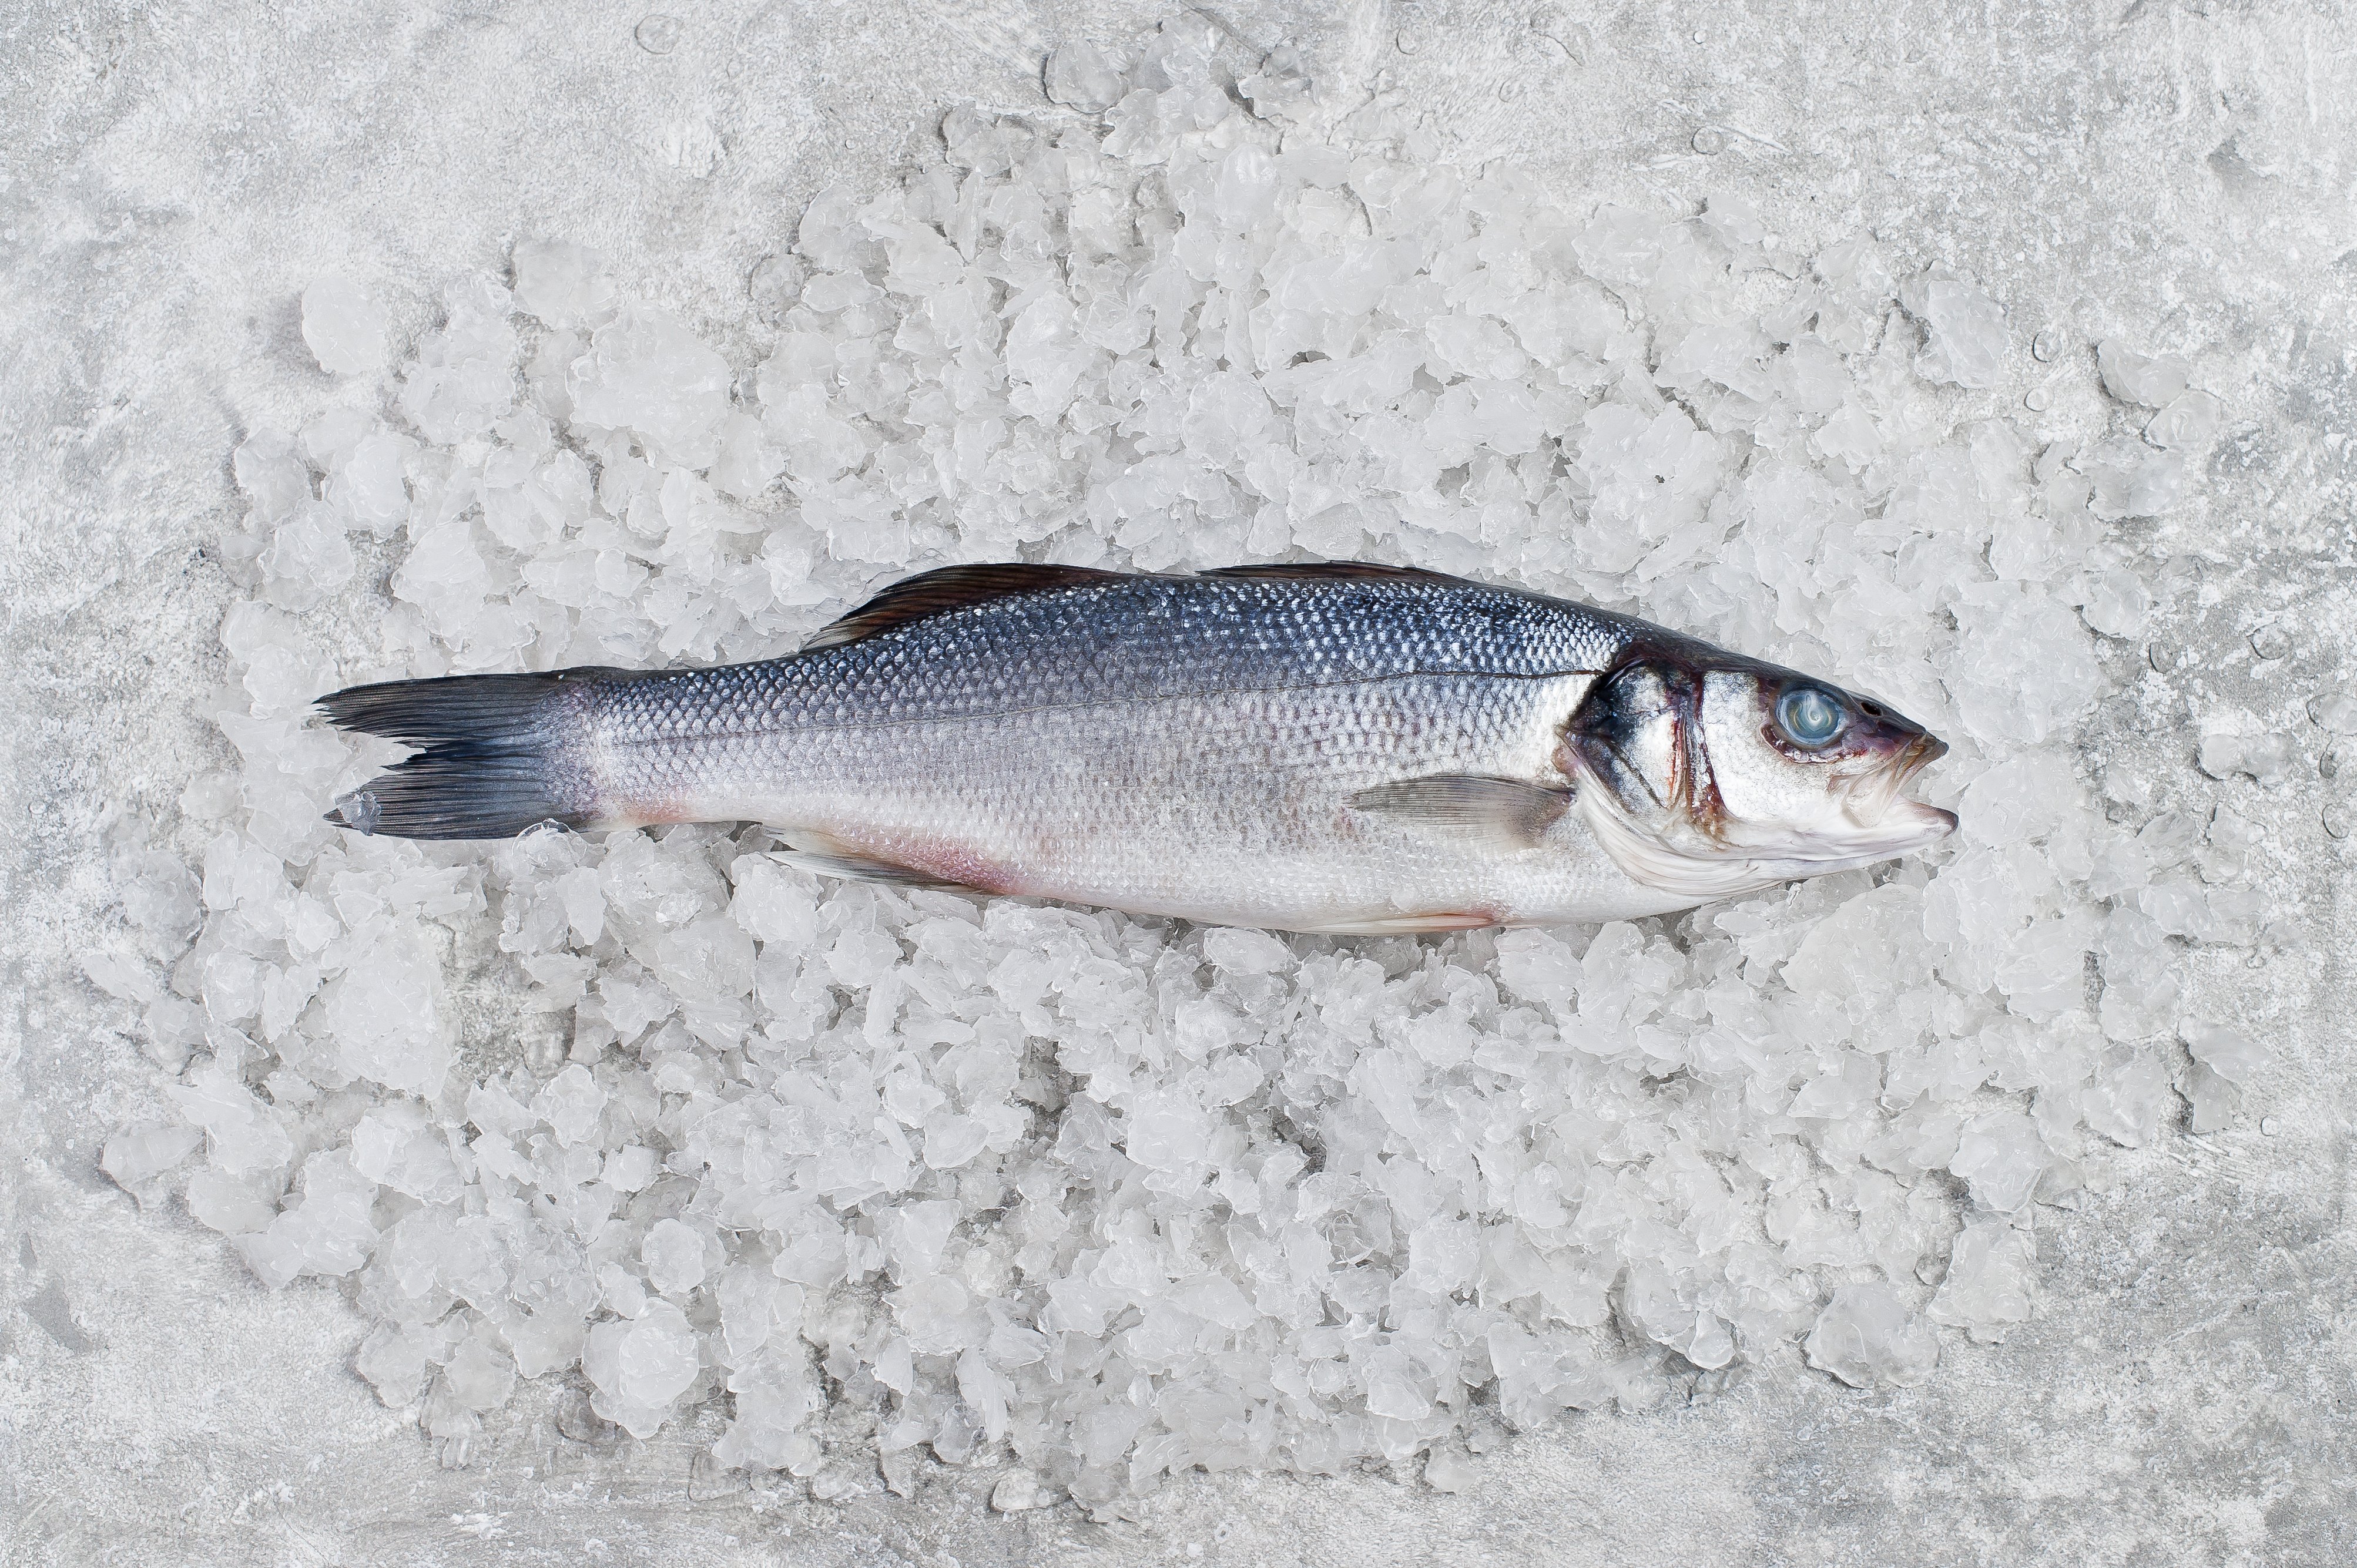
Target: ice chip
{"type": "Point", "coordinates": [344, 327]}
{"type": "Point", "coordinates": [1965, 332]}
{"type": "Point", "coordinates": [2117, 603]}
{"type": "Point", "coordinates": [561, 283]}
{"type": "Point", "coordinates": [273, 477]}
{"type": "Point", "coordinates": [674, 1254]}
{"type": "Point", "coordinates": [242, 1136]}
{"type": "Point", "coordinates": [480, 1374]}
{"type": "Point", "coordinates": [1241, 951]}
{"type": "Point", "coordinates": [234, 1205]}
{"type": "Point", "coordinates": [571, 1105]}
{"type": "Point", "coordinates": [1988, 1285]}
{"type": "Point", "coordinates": [2132, 479]}
{"type": "Point", "coordinates": [397, 1146]}
{"type": "Point", "coordinates": [2132, 377]}
{"type": "Point", "coordinates": [1080, 76]}
{"type": "Point", "coordinates": [2267, 759]}
{"type": "Point", "coordinates": [641, 1368]}
{"type": "Point", "coordinates": [647, 372]}
{"type": "Point", "coordinates": [389, 1019]}
{"type": "Point", "coordinates": [2129, 1097]}
{"type": "Point", "coordinates": [138, 1157]}
{"type": "Point", "coordinates": [2230, 1053]}
{"type": "Point", "coordinates": [324, 1230]}
{"type": "Point", "coordinates": [1868, 1335]}
{"type": "Point", "coordinates": [937, 1315]}
{"type": "Point", "coordinates": [2188, 425]}
{"type": "Point", "coordinates": [2000, 1155]}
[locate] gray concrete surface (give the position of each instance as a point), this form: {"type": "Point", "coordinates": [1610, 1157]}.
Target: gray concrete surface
{"type": "Point", "coordinates": [2180, 171]}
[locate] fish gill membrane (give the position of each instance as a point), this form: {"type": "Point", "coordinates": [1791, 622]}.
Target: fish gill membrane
{"type": "Point", "coordinates": [887, 1178]}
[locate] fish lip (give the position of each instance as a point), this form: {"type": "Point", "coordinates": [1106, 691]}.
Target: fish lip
{"type": "Point", "coordinates": [1881, 789]}
{"type": "Point", "coordinates": [1921, 752]}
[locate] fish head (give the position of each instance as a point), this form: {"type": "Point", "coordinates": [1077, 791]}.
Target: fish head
{"type": "Point", "coordinates": [1707, 774]}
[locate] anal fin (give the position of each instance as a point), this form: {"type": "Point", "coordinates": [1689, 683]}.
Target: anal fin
{"type": "Point", "coordinates": [1507, 813]}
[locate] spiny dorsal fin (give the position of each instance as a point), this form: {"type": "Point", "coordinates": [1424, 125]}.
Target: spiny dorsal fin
{"type": "Point", "coordinates": [1506, 813]}
{"type": "Point", "coordinates": [948, 588]}
{"type": "Point", "coordinates": [1336, 571]}
{"type": "Point", "coordinates": [956, 587]}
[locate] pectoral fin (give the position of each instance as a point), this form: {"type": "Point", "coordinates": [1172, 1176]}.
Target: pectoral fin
{"type": "Point", "coordinates": [1505, 812]}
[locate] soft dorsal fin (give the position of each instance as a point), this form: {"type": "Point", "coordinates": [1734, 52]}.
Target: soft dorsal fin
{"type": "Point", "coordinates": [1506, 813]}
{"type": "Point", "coordinates": [1337, 571]}
{"type": "Point", "coordinates": [948, 588]}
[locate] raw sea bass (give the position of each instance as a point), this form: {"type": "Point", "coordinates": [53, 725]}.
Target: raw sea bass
{"type": "Point", "coordinates": [1337, 747]}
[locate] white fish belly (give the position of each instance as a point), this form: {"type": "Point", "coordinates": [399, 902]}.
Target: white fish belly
{"type": "Point", "coordinates": [1231, 808]}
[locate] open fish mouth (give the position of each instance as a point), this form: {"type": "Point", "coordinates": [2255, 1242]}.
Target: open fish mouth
{"type": "Point", "coordinates": [1877, 805]}
{"type": "Point", "coordinates": [1926, 750]}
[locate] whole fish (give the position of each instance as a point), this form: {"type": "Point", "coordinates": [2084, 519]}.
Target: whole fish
{"type": "Point", "coordinates": [1337, 747]}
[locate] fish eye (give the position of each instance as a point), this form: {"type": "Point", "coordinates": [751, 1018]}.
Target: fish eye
{"type": "Point", "coordinates": [1809, 717]}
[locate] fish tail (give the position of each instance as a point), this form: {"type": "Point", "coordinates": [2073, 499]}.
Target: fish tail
{"type": "Point", "coordinates": [499, 754]}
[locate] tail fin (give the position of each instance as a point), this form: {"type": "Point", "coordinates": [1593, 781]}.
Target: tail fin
{"type": "Point", "coordinates": [499, 754]}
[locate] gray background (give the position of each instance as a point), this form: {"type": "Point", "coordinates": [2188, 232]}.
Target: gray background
{"type": "Point", "coordinates": [2179, 173]}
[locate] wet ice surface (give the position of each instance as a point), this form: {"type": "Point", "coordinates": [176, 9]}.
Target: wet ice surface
{"type": "Point", "coordinates": [896, 1177]}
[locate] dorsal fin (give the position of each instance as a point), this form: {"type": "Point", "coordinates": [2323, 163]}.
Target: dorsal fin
{"type": "Point", "coordinates": [1337, 571]}
{"type": "Point", "coordinates": [948, 588]}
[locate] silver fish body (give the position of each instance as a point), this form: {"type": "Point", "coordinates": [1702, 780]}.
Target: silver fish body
{"type": "Point", "coordinates": [1340, 748]}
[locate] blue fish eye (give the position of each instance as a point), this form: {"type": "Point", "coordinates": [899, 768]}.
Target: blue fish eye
{"type": "Point", "coordinates": [1808, 716]}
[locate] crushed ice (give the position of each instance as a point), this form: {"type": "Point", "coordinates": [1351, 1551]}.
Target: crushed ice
{"type": "Point", "coordinates": [1101, 1198]}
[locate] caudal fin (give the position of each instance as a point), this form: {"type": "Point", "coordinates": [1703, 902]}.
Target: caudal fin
{"type": "Point", "coordinates": [500, 755]}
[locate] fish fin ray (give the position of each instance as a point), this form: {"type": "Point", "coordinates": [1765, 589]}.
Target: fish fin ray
{"type": "Point", "coordinates": [1336, 571]}
{"type": "Point", "coordinates": [850, 865]}
{"type": "Point", "coordinates": [947, 588]}
{"type": "Point", "coordinates": [1507, 812]}
{"type": "Point", "coordinates": [496, 758]}
{"type": "Point", "coordinates": [1408, 925]}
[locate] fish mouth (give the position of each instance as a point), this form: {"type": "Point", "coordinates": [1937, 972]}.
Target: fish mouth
{"type": "Point", "coordinates": [1925, 750]}
{"type": "Point", "coordinates": [1885, 815]}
